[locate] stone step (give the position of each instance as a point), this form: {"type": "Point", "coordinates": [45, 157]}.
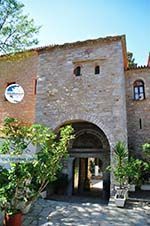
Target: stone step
{"type": "Point", "coordinates": [137, 202]}
{"type": "Point", "coordinates": [138, 199]}
{"type": "Point", "coordinates": [131, 202]}
{"type": "Point", "coordinates": [111, 202]}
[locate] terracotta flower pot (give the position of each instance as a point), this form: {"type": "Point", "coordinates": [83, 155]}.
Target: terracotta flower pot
{"type": "Point", "coordinates": [13, 220]}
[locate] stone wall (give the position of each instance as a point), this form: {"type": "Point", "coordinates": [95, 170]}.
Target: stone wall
{"type": "Point", "coordinates": [21, 69]}
{"type": "Point", "coordinates": [138, 110]}
{"type": "Point", "coordinates": [99, 99]}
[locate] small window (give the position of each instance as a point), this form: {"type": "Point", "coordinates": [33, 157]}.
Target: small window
{"type": "Point", "coordinates": [139, 93]}
{"type": "Point", "coordinates": [97, 70]}
{"type": "Point", "coordinates": [34, 86]}
{"type": "Point", "coordinates": [77, 71]}
{"type": "Point", "coordinates": [140, 123]}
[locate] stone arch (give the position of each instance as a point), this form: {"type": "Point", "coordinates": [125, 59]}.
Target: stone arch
{"type": "Point", "coordinates": [88, 131]}
{"type": "Point", "coordinates": [84, 128]}
{"type": "Point", "coordinates": [87, 118]}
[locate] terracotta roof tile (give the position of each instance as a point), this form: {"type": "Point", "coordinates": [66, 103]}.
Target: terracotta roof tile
{"type": "Point", "coordinates": [138, 67]}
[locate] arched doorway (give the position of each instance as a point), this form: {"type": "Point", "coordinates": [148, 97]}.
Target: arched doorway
{"type": "Point", "coordinates": [89, 157]}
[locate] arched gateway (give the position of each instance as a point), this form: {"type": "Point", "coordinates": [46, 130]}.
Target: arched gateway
{"type": "Point", "coordinates": [89, 156]}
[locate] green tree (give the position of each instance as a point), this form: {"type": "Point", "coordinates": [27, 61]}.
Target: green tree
{"type": "Point", "coordinates": [131, 60]}
{"type": "Point", "coordinates": [135, 170]}
{"type": "Point", "coordinates": [146, 150]}
{"type": "Point", "coordinates": [119, 166]}
{"type": "Point", "coordinates": [17, 31]}
{"type": "Point", "coordinates": [24, 180]}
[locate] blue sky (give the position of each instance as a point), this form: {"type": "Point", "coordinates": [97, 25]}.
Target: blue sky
{"type": "Point", "coordinates": [73, 20]}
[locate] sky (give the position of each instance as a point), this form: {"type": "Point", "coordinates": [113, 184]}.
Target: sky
{"type": "Point", "coordinates": [65, 21]}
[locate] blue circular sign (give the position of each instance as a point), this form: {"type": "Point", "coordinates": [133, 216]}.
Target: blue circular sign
{"type": "Point", "coordinates": [14, 93]}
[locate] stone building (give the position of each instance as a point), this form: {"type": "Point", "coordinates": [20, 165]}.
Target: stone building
{"type": "Point", "coordinates": [138, 107]}
{"type": "Point", "coordinates": [86, 84]}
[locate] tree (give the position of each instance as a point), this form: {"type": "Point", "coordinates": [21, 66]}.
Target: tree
{"type": "Point", "coordinates": [131, 63]}
{"type": "Point", "coordinates": [22, 181]}
{"type": "Point", "coordinates": [119, 167]}
{"type": "Point", "coordinates": [135, 170]}
{"type": "Point", "coordinates": [146, 150]}
{"type": "Point", "coordinates": [17, 31]}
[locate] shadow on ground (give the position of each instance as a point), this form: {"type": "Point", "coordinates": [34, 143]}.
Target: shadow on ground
{"type": "Point", "coordinates": [58, 213]}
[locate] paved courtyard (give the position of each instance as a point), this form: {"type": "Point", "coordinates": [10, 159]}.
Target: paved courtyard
{"type": "Point", "coordinates": [47, 212]}
{"type": "Point", "coordinates": [58, 213]}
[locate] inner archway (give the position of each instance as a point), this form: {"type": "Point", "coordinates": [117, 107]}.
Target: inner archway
{"type": "Point", "coordinates": [90, 156]}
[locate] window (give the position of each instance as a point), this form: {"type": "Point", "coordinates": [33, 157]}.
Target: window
{"type": "Point", "coordinates": [139, 93]}
{"type": "Point", "coordinates": [97, 70]}
{"type": "Point", "coordinates": [77, 71]}
{"type": "Point", "coordinates": [34, 86]}
{"type": "Point", "coordinates": [140, 123]}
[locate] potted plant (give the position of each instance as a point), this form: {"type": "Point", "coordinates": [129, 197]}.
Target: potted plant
{"type": "Point", "coordinates": [135, 169]}
{"type": "Point", "coordinates": [145, 185]}
{"type": "Point", "coordinates": [119, 172]}
{"type": "Point", "coordinates": [25, 176]}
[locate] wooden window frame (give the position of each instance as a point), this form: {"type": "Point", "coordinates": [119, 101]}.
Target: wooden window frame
{"type": "Point", "coordinates": [139, 90]}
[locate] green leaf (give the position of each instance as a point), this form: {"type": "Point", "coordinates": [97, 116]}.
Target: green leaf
{"type": "Point", "coordinates": [17, 31]}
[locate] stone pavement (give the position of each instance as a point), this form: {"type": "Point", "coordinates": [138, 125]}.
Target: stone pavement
{"type": "Point", "coordinates": [58, 213]}
{"type": "Point", "coordinates": [48, 212]}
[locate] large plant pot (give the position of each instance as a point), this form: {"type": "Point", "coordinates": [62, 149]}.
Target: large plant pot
{"type": "Point", "coordinates": [13, 220]}
{"type": "Point", "coordinates": [120, 202]}
{"type": "Point", "coordinates": [120, 197]}
{"type": "Point", "coordinates": [131, 187]}
{"type": "Point", "coordinates": [145, 187]}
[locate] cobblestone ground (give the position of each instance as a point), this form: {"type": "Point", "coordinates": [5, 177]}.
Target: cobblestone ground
{"type": "Point", "coordinates": [47, 213]}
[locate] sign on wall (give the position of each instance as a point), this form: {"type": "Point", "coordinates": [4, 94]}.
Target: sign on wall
{"type": "Point", "coordinates": [14, 93]}
{"type": "Point", "coordinates": [6, 158]}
